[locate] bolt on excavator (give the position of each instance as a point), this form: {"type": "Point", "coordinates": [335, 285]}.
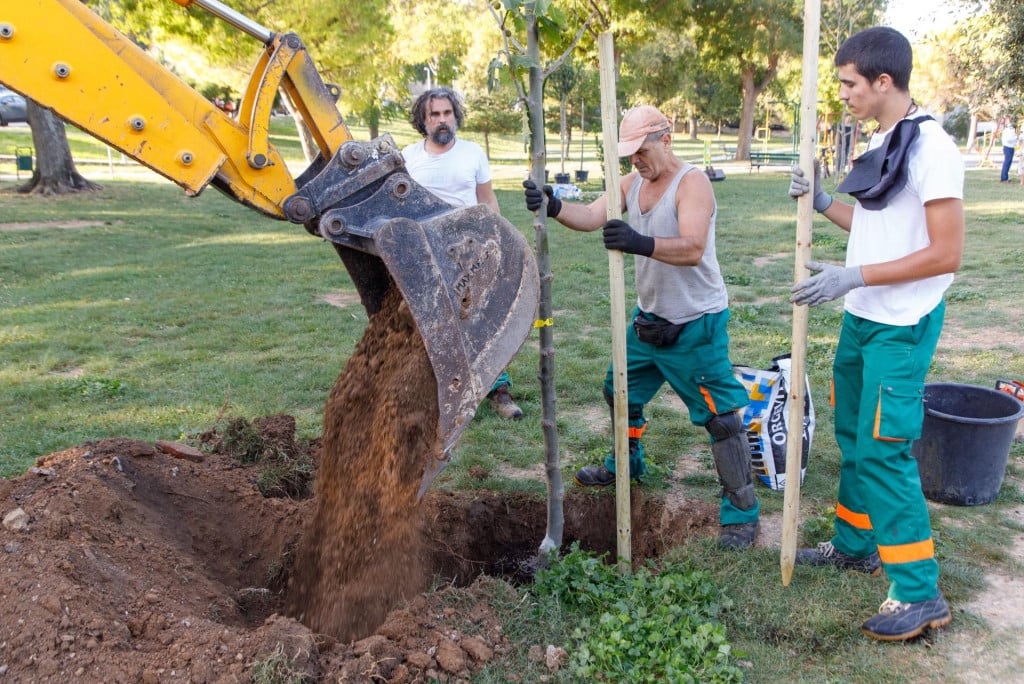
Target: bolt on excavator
{"type": "Point", "coordinates": [467, 275]}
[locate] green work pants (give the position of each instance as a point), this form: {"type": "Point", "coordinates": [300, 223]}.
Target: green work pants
{"type": "Point", "coordinates": [698, 369]}
{"type": "Point", "coordinates": [503, 379]}
{"type": "Point", "coordinates": [878, 378]}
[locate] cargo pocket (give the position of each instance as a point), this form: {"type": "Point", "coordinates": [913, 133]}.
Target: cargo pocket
{"type": "Point", "coordinates": [900, 410]}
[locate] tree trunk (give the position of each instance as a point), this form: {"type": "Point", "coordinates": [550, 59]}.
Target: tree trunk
{"type": "Point", "coordinates": [309, 148]}
{"type": "Point", "coordinates": [563, 124]}
{"type": "Point", "coordinates": [373, 121]}
{"type": "Point", "coordinates": [972, 133]}
{"type": "Point", "coordinates": [751, 89]}
{"type": "Point", "coordinates": [54, 172]}
{"type": "Point", "coordinates": [538, 162]}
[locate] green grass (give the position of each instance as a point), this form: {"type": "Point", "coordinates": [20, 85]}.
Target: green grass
{"type": "Point", "coordinates": [136, 311]}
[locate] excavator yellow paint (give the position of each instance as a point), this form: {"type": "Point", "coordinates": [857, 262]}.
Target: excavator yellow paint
{"type": "Point", "coordinates": [64, 57]}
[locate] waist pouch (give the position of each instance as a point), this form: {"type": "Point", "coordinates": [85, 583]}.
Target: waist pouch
{"type": "Point", "coordinates": [660, 333]}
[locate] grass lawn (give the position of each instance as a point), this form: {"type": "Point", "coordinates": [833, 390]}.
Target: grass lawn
{"type": "Point", "coordinates": [136, 311]}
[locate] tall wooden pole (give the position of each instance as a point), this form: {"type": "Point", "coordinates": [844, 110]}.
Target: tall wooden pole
{"type": "Point", "coordinates": [617, 287]}
{"type": "Point", "coordinates": [804, 219]}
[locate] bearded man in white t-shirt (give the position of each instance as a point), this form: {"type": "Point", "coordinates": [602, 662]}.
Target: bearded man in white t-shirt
{"type": "Point", "coordinates": [906, 241]}
{"type": "Point", "coordinates": [457, 171]}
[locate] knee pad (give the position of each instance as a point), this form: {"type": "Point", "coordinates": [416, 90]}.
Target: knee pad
{"type": "Point", "coordinates": [731, 452]}
{"type": "Point", "coordinates": [724, 426]}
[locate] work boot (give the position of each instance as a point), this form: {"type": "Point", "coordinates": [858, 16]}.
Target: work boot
{"type": "Point", "coordinates": [502, 404]}
{"type": "Point", "coordinates": [594, 476]}
{"type": "Point", "coordinates": [898, 621]}
{"type": "Point", "coordinates": [739, 536]}
{"type": "Point", "coordinates": [600, 476]}
{"type": "Point", "coordinates": [826, 554]}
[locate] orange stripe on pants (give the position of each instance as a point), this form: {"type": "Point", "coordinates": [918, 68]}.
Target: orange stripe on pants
{"type": "Point", "coordinates": [859, 520]}
{"type": "Point", "coordinates": [708, 400]}
{"type": "Point", "coordinates": [907, 553]}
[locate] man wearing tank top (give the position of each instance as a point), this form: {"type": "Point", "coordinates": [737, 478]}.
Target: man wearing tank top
{"type": "Point", "coordinates": [679, 331]}
{"type": "Point", "coordinates": [906, 240]}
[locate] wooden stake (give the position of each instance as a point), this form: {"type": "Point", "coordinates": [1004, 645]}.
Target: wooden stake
{"type": "Point", "coordinates": [617, 287]}
{"type": "Point", "coordinates": [805, 217]}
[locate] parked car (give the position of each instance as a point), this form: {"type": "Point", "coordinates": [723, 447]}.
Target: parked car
{"type": "Point", "coordinates": [12, 107]}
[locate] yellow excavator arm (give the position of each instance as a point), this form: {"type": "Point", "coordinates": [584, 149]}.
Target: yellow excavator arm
{"type": "Point", "coordinates": [467, 275]}
{"type": "Point", "coordinates": [65, 57]}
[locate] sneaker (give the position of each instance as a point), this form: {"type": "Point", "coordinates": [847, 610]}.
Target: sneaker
{"type": "Point", "coordinates": [898, 621]}
{"type": "Point", "coordinates": [594, 476]}
{"type": "Point", "coordinates": [826, 554]}
{"type": "Point", "coordinates": [739, 536]}
{"type": "Point", "coordinates": [502, 404]}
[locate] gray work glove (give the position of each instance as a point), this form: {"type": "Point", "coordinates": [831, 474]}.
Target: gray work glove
{"type": "Point", "coordinates": [831, 283]}
{"type": "Point", "coordinates": [799, 186]}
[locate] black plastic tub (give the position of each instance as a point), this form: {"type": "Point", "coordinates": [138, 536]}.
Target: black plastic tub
{"type": "Point", "coordinates": [965, 442]}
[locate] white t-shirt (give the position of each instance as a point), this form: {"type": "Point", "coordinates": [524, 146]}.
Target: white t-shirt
{"type": "Point", "coordinates": [453, 175]}
{"type": "Point", "coordinates": [935, 171]}
{"type": "Point", "coordinates": [1009, 136]}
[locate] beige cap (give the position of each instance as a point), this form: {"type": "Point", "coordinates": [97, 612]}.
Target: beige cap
{"type": "Point", "coordinates": [637, 124]}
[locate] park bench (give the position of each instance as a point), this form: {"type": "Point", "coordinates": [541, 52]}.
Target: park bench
{"type": "Point", "coordinates": [773, 158]}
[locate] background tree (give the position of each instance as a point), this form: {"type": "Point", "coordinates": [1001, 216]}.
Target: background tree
{"type": "Point", "coordinates": [753, 38]}
{"type": "Point", "coordinates": [954, 70]}
{"type": "Point", "coordinates": [662, 70]}
{"type": "Point", "coordinates": [54, 172]}
{"type": "Point", "coordinates": [564, 80]}
{"type": "Point", "coordinates": [435, 36]}
{"type": "Point", "coordinates": [1009, 18]}
{"type": "Point", "coordinates": [493, 112]}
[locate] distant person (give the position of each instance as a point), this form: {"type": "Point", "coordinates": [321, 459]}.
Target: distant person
{"type": "Point", "coordinates": [458, 172]}
{"type": "Point", "coordinates": [1009, 146]}
{"type": "Point", "coordinates": [906, 240]}
{"type": "Point", "coordinates": [679, 327]}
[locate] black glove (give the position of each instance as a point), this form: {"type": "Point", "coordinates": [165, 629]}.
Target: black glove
{"type": "Point", "coordinates": [619, 235]}
{"type": "Point", "coordinates": [534, 198]}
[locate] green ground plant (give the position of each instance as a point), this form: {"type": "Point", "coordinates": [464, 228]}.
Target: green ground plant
{"type": "Point", "coordinates": [136, 311]}
{"type": "Point", "coordinates": [659, 623]}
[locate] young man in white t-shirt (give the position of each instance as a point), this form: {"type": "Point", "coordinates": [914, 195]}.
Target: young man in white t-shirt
{"type": "Point", "coordinates": [457, 171]}
{"type": "Point", "coordinates": [906, 241]}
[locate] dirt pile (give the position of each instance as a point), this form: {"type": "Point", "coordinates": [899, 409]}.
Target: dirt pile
{"type": "Point", "coordinates": [122, 563]}
{"type": "Point", "coordinates": [131, 564]}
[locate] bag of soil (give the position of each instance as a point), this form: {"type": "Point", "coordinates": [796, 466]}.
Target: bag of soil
{"type": "Point", "coordinates": [765, 420]}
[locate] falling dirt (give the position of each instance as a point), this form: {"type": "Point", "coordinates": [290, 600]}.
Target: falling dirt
{"type": "Point", "coordinates": [361, 552]}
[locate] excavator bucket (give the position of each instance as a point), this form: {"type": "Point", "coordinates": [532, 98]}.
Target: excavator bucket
{"type": "Point", "coordinates": [467, 274]}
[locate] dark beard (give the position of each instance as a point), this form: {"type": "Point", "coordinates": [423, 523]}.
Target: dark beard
{"type": "Point", "coordinates": [442, 135]}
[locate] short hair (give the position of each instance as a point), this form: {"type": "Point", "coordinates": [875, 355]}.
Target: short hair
{"type": "Point", "coordinates": [658, 135]}
{"type": "Point", "coordinates": [876, 51]}
{"type": "Point", "coordinates": [418, 116]}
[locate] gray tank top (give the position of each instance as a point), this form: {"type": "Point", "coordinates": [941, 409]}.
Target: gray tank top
{"type": "Point", "coordinates": [675, 293]}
